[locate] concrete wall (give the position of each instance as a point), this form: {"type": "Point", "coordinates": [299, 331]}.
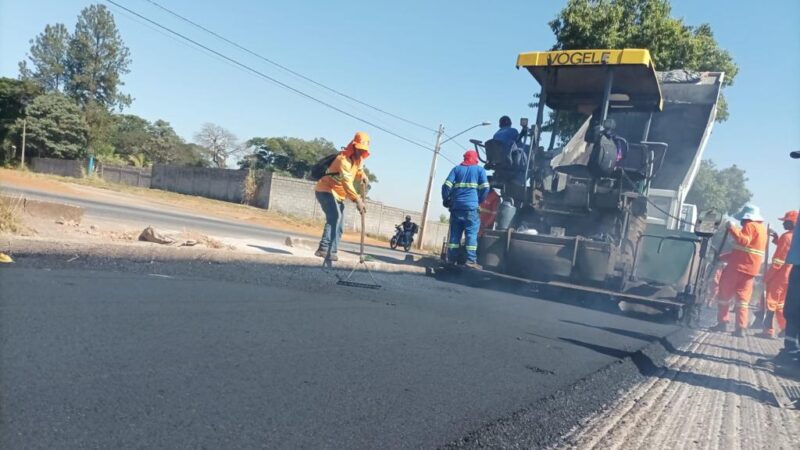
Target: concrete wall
{"type": "Point", "coordinates": [131, 176]}
{"type": "Point", "coordinates": [62, 167]}
{"type": "Point", "coordinates": [219, 184]}
{"type": "Point", "coordinates": [296, 197]}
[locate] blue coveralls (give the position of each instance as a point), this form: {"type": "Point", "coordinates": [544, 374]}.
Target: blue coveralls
{"type": "Point", "coordinates": [464, 190]}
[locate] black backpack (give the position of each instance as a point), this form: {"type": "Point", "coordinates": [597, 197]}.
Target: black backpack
{"type": "Point", "coordinates": [320, 168]}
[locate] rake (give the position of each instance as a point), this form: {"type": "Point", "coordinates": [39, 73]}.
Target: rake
{"type": "Point", "coordinates": [361, 261]}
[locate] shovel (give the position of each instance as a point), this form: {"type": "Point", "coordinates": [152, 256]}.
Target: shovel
{"type": "Point", "coordinates": [361, 261]}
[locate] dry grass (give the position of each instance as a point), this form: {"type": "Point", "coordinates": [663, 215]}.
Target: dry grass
{"type": "Point", "coordinates": [9, 210]}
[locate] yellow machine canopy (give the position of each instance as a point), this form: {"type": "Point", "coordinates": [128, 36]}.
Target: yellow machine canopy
{"type": "Point", "coordinates": [576, 80]}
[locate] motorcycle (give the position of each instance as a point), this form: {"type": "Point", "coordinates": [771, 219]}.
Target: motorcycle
{"type": "Point", "coordinates": [399, 238]}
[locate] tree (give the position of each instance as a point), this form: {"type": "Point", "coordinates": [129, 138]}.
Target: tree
{"type": "Point", "coordinates": [15, 95]}
{"type": "Point", "coordinates": [219, 142]}
{"type": "Point", "coordinates": [286, 156]}
{"type": "Point", "coordinates": [722, 189]}
{"type": "Point", "coordinates": [131, 135]}
{"type": "Point", "coordinates": [617, 24]}
{"type": "Point", "coordinates": [96, 59]}
{"type": "Point", "coordinates": [48, 56]}
{"type": "Point", "coordinates": [55, 127]}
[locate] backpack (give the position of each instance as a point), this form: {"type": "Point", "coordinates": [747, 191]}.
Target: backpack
{"type": "Point", "coordinates": [320, 168]}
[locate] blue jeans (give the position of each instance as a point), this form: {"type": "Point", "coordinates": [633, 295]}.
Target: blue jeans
{"type": "Point", "coordinates": [334, 222]}
{"type": "Point", "coordinates": [467, 223]}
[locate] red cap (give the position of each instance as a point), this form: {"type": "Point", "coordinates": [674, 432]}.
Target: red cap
{"type": "Point", "coordinates": [790, 216]}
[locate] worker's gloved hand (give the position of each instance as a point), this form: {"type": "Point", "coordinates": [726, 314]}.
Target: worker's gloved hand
{"type": "Point", "coordinates": [362, 208]}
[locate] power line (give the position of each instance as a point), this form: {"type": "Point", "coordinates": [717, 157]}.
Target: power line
{"type": "Point", "coordinates": [269, 78]}
{"type": "Point", "coordinates": [287, 69]}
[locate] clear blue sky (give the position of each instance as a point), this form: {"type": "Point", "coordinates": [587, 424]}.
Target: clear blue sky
{"type": "Point", "coordinates": [434, 62]}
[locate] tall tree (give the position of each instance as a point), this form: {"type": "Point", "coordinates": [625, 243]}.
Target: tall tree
{"type": "Point", "coordinates": [722, 189]}
{"type": "Point", "coordinates": [97, 58]}
{"type": "Point", "coordinates": [55, 127]}
{"type": "Point", "coordinates": [48, 57]}
{"type": "Point", "coordinates": [617, 24]}
{"type": "Point", "coordinates": [220, 143]}
{"type": "Point", "coordinates": [15, 96]}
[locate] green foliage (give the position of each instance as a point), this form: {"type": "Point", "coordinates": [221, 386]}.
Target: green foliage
{"type": "Point", "coordinates": [724, 190]}
{"type": "Point", "coordinates": [14, 96]}
{"type": "Point", "coordinates": [56, 128]}
{"type": "Point", "coordinates": [96, 59]}
{"type": "Point", "coordinates": [102, 127]}
{"type": "Point", "coordinates": [617, 24]}
{"type": "Point", "coordinates": [286, 156]}
{"type": "Point", "coordinates": [48, 56]}
{"type": "Point", "coordinates": [443, 218]}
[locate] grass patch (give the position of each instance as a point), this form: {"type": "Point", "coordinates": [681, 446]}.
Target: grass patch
{"type": "Point", "coordinates": [9, 223]}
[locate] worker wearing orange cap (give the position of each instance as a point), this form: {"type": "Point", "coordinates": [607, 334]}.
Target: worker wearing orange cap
{"type": "Point", "coordinates": [335, 187]}
{"type": "Point", "coordinates": [777, 277]}
{"type": "Point", "coordinates": [744, 263]}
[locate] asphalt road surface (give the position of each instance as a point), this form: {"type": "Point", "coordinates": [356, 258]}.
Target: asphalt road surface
{"type": "Point", "coordinates": [166, 219]}
{"type": "Point", "coordinates": [114, 354]}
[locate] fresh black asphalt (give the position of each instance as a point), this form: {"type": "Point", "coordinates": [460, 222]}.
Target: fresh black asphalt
{"type": "Point", "coordinates": [101, 353]}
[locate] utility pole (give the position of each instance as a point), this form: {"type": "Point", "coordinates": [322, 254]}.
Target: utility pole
{"type": "Point", "coordinates": [427, 204]}
{"type": "Point", "coordinates": [24, 132]}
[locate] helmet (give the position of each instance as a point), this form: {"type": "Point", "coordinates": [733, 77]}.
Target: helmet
{"type": "Point", "coordinates": [408, 218]}
{"type": "Point", "coordinates": [361, 141]}
{"type": "Point", "coordinates": [790, 216]}
{"type": "Point", "coordinates": [749, 212]}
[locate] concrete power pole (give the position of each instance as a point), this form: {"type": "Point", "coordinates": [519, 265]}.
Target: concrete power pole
{"type": "Point", "coordinates": [24, 132]}
{"type": "Point", "coordinates": [427, 204]}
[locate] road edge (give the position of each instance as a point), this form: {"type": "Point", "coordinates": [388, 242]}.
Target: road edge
{"type": "Point", "coordinates": [549, 421]}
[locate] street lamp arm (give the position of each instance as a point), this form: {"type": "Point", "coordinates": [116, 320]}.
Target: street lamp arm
{"type": "Point", "coordinates": [482, 124]}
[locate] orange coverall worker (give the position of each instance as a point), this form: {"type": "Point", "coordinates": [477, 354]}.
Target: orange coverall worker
{"type": "Point", "coordinates": [744, 263]}
{"type": "Point", "coordinates": [488, 210]}
{"type": "Point", "coordinates": [777, 277]}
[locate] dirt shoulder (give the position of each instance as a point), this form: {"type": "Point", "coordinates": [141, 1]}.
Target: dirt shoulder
{"type": "Point", "coordinates": [94, 189]}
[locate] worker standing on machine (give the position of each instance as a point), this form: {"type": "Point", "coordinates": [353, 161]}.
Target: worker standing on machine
{"type": "Point", "coordinates": [777, 276]}
{"type": "Point", "coordinates": [744, 263]}
{"type": "Point", "coordinates": [464, 189]}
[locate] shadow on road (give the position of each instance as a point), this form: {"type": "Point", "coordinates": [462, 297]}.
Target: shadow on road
{"type": "Point", "coordinates": [667, 344]}
{"type": "Point", "coordinates": [276, 251]}
{"type": "Point", "coordinates": [646, 367]}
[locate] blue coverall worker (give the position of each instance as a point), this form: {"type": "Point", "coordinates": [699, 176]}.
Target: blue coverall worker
{"type": "Point", "coordinates": [462, 192]}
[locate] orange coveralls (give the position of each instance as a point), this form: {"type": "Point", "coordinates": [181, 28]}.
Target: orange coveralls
{"type": "Point", "coordinates": [777, 279]}
{"type": "Point", "coordinates": [744, 263]}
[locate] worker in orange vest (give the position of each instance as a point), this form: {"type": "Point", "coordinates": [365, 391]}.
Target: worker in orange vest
{"type": "Point", "coordinates": [744, 263]}
{"type": "Point", "coordinates": [777, 276]}
{"type": "Point", "coordinates": [488, 211]}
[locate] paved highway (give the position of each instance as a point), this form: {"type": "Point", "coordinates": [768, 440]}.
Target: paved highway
{"type": "Point", "coordinates": [100, 353]}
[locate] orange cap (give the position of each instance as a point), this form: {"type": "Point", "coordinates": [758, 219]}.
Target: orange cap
{"type": "Point", "coordinates": [790, 216]}
{"type": "Point", "coordinates": [361, 141]}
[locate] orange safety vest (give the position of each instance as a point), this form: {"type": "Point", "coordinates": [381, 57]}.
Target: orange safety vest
{"type": "Point", "coordinates": [488, 211]}
{"type": "Point", "coordinates": [750, 243]}
{"type": "Point", "coordinates": [778, 272]}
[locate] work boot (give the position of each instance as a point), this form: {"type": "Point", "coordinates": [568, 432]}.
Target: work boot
{"type": "Point", "coordinates": [739, 332]}
{"type": "Point", "coordinates": [333, 257]}
{"type": "Point", "coordinates": [321, 253]}
{"type": "Point", "coordinates": [765, 335]}
{"type": "Point", "coordinates": [720, 327]}
{"type": "Point", "coordinates": [472, 265]}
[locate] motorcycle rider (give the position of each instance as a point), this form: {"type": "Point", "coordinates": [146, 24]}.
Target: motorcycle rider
{"type": "Point", "coordinates": [409, 229]}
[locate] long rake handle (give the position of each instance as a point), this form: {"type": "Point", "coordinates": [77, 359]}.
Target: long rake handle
{"type": "Point", "coordinates": [363, 231]}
